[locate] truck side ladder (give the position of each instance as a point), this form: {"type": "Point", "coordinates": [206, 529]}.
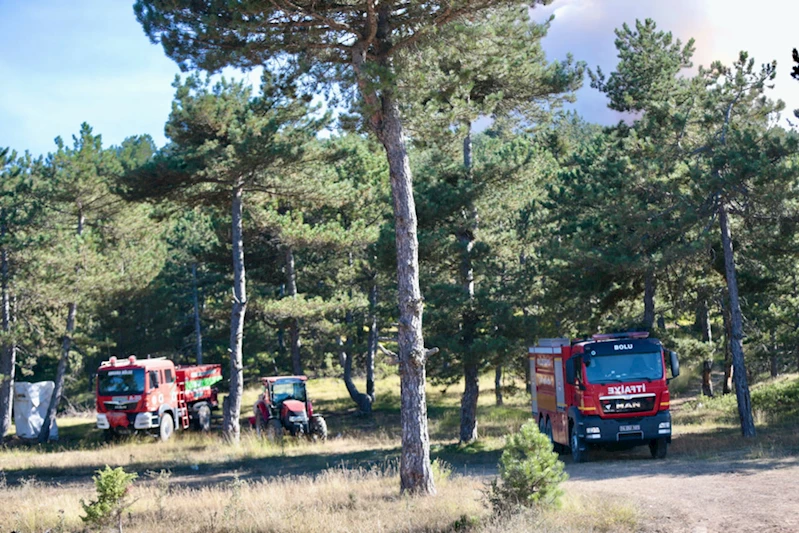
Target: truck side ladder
{"type": "Point", "coordinates": [183, 410]}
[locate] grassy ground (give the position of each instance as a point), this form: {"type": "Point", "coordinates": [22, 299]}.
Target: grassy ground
{"type": "Point", "coordinates": [348, 483]}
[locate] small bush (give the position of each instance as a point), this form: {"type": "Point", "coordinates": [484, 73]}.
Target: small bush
{"type": "Point", "coordinates": [530, 472]}
{"type": "Point", "coordinates": [112, 486]}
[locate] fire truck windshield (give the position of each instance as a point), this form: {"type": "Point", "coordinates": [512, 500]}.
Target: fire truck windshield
{"type": "Point", "coordinates": [624, 368]}
{"type": "Point", "coordinates": [115, 382]}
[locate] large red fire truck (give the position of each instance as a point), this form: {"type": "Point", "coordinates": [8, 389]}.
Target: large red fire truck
{"type": "Point", "coordinates": [154, 395]}
{"type": "Point", "coordinates": [610, 390]}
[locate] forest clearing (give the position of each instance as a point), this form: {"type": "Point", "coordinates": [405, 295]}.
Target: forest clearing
{"type": "Point", "coordinates": [396, 204]}
{"type": "Point", "coordinates": [198, 483]}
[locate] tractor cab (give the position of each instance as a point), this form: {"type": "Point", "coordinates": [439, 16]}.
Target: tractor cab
{"type": "Point", "coordinates": [283, 406]}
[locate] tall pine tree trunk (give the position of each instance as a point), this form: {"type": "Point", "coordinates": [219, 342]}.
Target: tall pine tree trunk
{"type": "Point", "coordinates": [66, 346]}
{"type": "Point", "coordinates": [371, 350]}
{"type": "Point", "coordinates": [466, 238]}
{"type": "Point", "coordinates": [198, 334]}
{"type": "Point", "coordinates": [649, 299]}
{"type": "Point", "coordinates": [416, 476]}
{"type": "Point", "coordinates": [294, 326]}
{"type": "Point", "coordinates": [736, 328]}
{"type": "Point", "coordinates": [8, 351]}
{"type": "Point", "coordinates": [232, 426]}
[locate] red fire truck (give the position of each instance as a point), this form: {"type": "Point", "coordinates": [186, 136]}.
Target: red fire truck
{"type": "Point", "coordinates": [154, 395]}
{"type": "Point", "coordinates": [610, 390]}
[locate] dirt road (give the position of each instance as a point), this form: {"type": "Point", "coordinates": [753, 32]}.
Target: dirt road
{"type": "Point", "coordinates": [726, 494]}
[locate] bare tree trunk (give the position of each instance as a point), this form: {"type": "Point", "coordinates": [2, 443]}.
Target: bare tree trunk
{"type": "Point", "coordinates": [471, 393]}
{"type": "Point", "coordinates": [466, 238]}
{"type": "Point", "coordinates": [703, 318]}
{"type": "Point", "coordinates": [416, 476]}
{"type": "Point", "coordinates": [726, 387]}
{"type": "Point", "coordinates": [363, 401]}
{"type": "Point", "coordinates": [232, 426]}
{"type": "Point", "coordinates": [66, 346]}
{"type": "Point", "coordinates": [736, 326]}
{"type": "Point", "coordinates": [8, 354]}
{"type": "Point", "coordinates": [294, 325]}
{"type": "Point", "coordinates": [371, 350]}
{"type": "Point", "coordinates": [198, 334]}
{"type": "Point", "coordinates": [415, 473]}
{"type": "Point", "coordinates": [649, 300]}
{"type": "Point", "coordinates": [498, 384]}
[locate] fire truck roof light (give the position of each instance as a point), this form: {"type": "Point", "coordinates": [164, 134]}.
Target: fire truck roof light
{"type": "Point", "coordinates": [113, 360]}
{"type": "Point", "coordinates": [626, 335]}
{"type": "Point", "coordinates": [132, 359]}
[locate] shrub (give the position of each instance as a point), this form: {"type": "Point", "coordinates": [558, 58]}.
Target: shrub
{"type": "Point", "coordinates": [530, 472]}
{"type": "Point", "coordinates": [112, 486]}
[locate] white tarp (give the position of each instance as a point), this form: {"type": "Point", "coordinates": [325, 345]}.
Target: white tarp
{"type": "Point", "coordinates": [30, 407]}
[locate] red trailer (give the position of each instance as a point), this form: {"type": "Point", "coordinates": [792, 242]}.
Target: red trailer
{"type": "Point", "coordinates": [610, 391]}
{"type": "Point", "coordinates": [154, 395]}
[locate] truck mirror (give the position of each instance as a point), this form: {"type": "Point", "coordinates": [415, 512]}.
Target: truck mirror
{"type": "Point", "coordinates": [675, 364]}
{"type": "Point", "coordinates": [570, 371]}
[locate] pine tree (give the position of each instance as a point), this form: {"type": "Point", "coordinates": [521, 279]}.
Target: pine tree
{"type": "Point", "coordinates": [353, 47]}
{"type": "Point", "coordinates": [224, 143]}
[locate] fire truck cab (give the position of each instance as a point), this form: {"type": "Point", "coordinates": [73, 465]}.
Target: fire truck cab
{"type": "Point", "coordinates": [609, 391]}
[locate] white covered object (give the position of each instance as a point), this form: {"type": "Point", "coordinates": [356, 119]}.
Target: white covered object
{"type": "Point", "coordinates": [31, 401]}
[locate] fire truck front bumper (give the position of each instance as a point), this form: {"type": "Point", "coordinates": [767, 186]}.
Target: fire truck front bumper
{"type": "Point", "coordinates": [632, 431]}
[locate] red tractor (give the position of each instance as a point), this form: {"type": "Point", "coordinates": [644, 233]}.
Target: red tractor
{"type": "Point", "coordinates": [284, 406]}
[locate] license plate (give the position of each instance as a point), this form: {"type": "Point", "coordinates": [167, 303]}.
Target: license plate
{"type": "Point", "coordinates": [635, 427]}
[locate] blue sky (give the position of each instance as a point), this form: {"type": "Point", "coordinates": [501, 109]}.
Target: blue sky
{"type": "Point", "coordinates": [66, 62]}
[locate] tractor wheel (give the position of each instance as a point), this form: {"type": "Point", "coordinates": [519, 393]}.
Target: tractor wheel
{"type": "Point", "coordinates": [274, 430]}
{"type": "Point", "coordinates": [166, 428]}
{"type": "Point", "coordinates": [202, 417]}
{"type": "Point", "coordinates": [260, 425]}
{"type": "Point", "coordinates": [658, 448]}
{"type": "Point", "coordinates": [318, 428]}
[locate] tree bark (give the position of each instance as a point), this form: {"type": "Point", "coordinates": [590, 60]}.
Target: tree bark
{"type": "Point", "coordinates": [649, 300]}
{"type": "Point", "coordinates": [415, 473]}
{"type": "Point", "coordinates": [294, 325]}
{"type": "Point", "coordinates": [371, 350]}
{"type": "Point", "coordinates": [198, 334]}
{"type": "Point", "coordinates": [498, 384]}
{"type": "Point", "coordinates": [736, 328]}
{"type": "Point", "coordinates": [416, 476]}
{"type": "Point", "coordinates": [8, 356]}
{"type": "Point", "coordinates": [232, 426]}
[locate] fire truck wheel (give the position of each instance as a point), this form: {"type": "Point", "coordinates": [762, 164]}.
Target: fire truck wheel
{"type": "Point", "coordinates": [274, 430]}
{"type": "Point", "coordinates": [167, 427]}
{"type": "Point", "coordinates": [202, 417]}
{"type": "Point", "coordinates": [542, 426]}
{"type": "Point", "coordinates": [658, 448]}
{"type": "Point", "coordinates": [578, 455]}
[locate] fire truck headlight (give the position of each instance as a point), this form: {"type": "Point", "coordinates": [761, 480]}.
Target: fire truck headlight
{"type": "Point", "coordinates": [664, 425]}
{"type": "Point", "coordinates": [592, 430]}
{"type": "Point", "coordinates": [102, 421]}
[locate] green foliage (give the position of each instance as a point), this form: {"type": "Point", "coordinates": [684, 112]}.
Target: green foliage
{"type": "Point", "coordinates": [530, 472]}
{"type": "Point", "coordinates": [112, 486]}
